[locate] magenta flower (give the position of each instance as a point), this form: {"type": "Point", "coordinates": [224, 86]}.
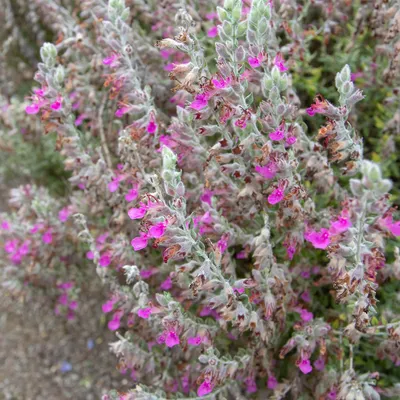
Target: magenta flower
{"type": "Point", "coordinates": [305, 296]}
{"type": "Point", "coordinates": [277, 135]}
{"type": "Point", "coordinates": [342, 224]}
{"type": "Point", "coordinates": [320, 240]}
{"type": "Point", "coordinates": [144, 312]}
{"type": "Point", "coordinates": [319, 364]}
{"type": "Point", "coordinates": [114, 324]}
{"type": "Point", "coordinates": [267, 171]}
{"type": "Point", "coordinates": [132, 194]}
{"type": "Point", "coordinates": [121, 111]}
{"type": "Point", "coordinates": [305, 366]}
{"type": "Point", "coordinates": [5, 225]}
{"type": "Point", "coordinates": [111, 60]}
{"type": "Point", "coordinates": [306, 315]}
{"type": "Point", "coordinates": [105, 260]}
{"type": "Point", "coordinates": [10, 246]}
{"type": "Point", "coordinates": [167, 284]}
{"type": "Point", "coordinates": [200, 101]}
{"type": "Point", "coordinates": [272, 383]}
{"type": "Point", "coordinates": [73, 305]}
{"type": "Point", "coordinates": [279, 62]}
{"type": "Point", "coordinates": [251, 386]}
{"type": "Point", "coordinates": [33, 108]}
{"type": "Point", "coordinates": [108, 306]}
{"type": "Point", "coordinates": [64, 214]}
{"type": "Point", "coordinates": [222, 244]}
{"type": "Point", "coordinates": [56, 105]}
{"type": "Point", "coordinates": [221, 83]}
{"type": "Point", "coordinates": [137, 213]}
{"type": "Point", "coordinates": [140, 242]}
{"type": "Point", "coordinates": [195, 340]}
{"type": "Point", "coordinates": [255, 62]}
{"type": "Point", "coordinates": [152, 126]}
{"type": "Point", "coordinates": [212, 32]}
{"type": "Point", "coordinates": [113, 185]}
{"type": "Point", "coordinates": [276, 196]}
{"type": "Point", "coordinates": [205, 388]}
{"type": "Point", "coordinates": [395, 228]}
{"type": "Point", "coordinates": [24, 249]}
{"type": "Point", "coordinates": [171, 339]}
{"type": "Point", "coordinates": [47, 237]}
{"type": "Point", "coordinates": [158, 230]}
{"type": "Point", "coordinates": [332, 395]}
{"type": "Point", "coordinates": [291, 140]}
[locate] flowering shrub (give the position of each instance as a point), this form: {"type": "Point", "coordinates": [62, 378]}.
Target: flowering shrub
{"type": "Point", "coordinates": [245, 256]}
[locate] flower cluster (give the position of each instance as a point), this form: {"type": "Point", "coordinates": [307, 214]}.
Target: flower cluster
{"type": "Point", "coordinates": [223, 228]}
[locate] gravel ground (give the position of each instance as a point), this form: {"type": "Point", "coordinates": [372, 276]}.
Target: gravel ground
{"type": "Point", "coordinates": [44, 356]}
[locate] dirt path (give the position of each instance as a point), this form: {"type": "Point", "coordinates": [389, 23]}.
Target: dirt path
{"type": "Point", "coordinates": [43, 356]}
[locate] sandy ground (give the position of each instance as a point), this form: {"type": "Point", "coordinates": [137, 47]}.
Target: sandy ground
{"type": "Point", "coordinates": [44, 356]}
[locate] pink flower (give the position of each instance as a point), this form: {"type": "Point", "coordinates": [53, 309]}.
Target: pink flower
{"type": "Point", "coordinates": [63, 299]}
{"type": "Point", "coordinates": [24, 249]}
{"type": "Point", "coordinates": [320, 240]}
{"type": "Point", "coordinates": [395, 228]}
{"type": "Point", "coordinates": [319, 364]}
{"type": "Point", "coordinates": [255, 62]}
{"type": "Point", "coordinates": [267, 171]}
{"type": "Point", "coordinates": [306, 315]}
{"type": "Point", "coordinates": [205, 388]}
{"type": "Point", "coordinates": [140, 242]}
{"type": "Point", "coordinates": [305, 366]}
{"type": "Point", "coordinates": [158, 230]}
{"type": "Point", "coordinates": [111, 60]}
{"type": "Point", "coordinates": [200, 101]}
{"type": "Point", "coordinates": [290, 140]}
{"type": "Point", "coordinates": [318, 107]}
{"type": "Point", "coordinates": [310, 111]}
{"type": "Point", "coordinates": [33, 108]}
{"type": "Point", "coordinates": [64, 214]}
{"type": "Point", "coordinates": [152, 126]}
{"type": "Point", "coordinates": [251, 386]}
{"type": "Point", "coordinates": [212, 32]}
{"type": "Point", "coordinates": [195, 340]}
{"type": "Point", "coordinates": [167, 284]}
{"type": "Point", "coordinates": [47, 237]}
{"type": "Point", "coordinates": [342, 224]}
{"type": "Point", "coordinates": [291, 250]}
{"type": "Point", "coordinates": [171, 339]}
{"type": "Point", "coordinates": [222, 244]}
{"type": "Point", "coordinates": [137, 213]}
{"type": "Point", "coordinates": [276, 196]}
{"type": "Point", "coordinates": [114, 324]}
{"type": "Point", "coordinates": [90, 255]}
{"type": "Point", "coordinates": [279, 62]}
{"type": "Point", "coordinates": [277, 135]}
{"type": "Point", "coordinates": [108, 306]}
{"type": "Point", "coordinates": [132, 194]}
{"type": "Point", "coordinates": [113, 185]}
{"type": "Point", "coordinates": [121, 111]}
{"type": "Point", "coordinates": [56, 105]}
{"type": "Point", "coordinates": [10, 246]}
{"type": "Point", "coordinates": [105, 260]}
{"type": "Point", "coordinates": [73, 305]}
{"type": "Point", "coordinates": [332, 395]}
{"type": "Point", "coordinates": [144, 312]}
{"type": "Point", "coordinates": [305, 296]}
{"type": "Point", "coordinates": [272, 383]}
{"type": "Point", "coordinates": [5, 226]}
{"type": "Point", "coordinates": [221, 83]}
